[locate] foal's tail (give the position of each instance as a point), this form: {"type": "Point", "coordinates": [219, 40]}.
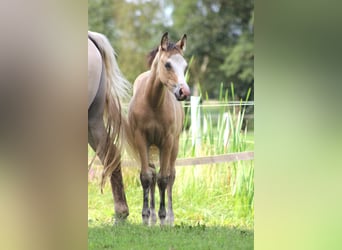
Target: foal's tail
{"type": "Point", "coordinates": [117, 91]}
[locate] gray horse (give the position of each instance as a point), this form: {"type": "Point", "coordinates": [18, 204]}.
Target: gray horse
{"type": "Point", "coordinates": [107, 88]}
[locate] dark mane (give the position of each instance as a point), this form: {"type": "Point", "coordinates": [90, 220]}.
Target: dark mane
{"type": "Point", "coordinates": [153, 53]}
{"type": "Point", "coordinates": [151, 56]}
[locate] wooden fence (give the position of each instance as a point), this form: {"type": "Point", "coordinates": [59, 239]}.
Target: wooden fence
{"type": "Point", "coordinates": [241, 156]}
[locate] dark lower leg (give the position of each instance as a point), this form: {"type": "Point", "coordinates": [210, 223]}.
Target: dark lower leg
{"type": "Point", "coordinates": [152, 197]}
{"type": "Point", "coordinates": [96, 131]}
{"type": "Point", "coordinates": [169, 203]}
{"type": "Point", "coordinates": [146, 180]}
{"type": "Point", "coordinates": [120, 203]}
{"type": "Point", "coordinates": [162, 184]}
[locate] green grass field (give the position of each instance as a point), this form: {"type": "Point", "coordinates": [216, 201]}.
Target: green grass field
{"type": "Point", "coordinates": [206, 216]}
{"type": "Point", "coordinates": [133, 236]}
{"type": "Point", "coordinates": [212, 210]}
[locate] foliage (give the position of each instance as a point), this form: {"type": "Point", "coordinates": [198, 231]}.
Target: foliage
{"type": "Point", "coordinates": [134, 28]}
{"type": "Point", "coordinates": [215, 28]}
{"type": "Point", "coordinates": [222, 132]}
{"type": "Point", "coordinates": [100, 17]}
{"type": "Point", "coordinates": [222, 129]}
{"type": "Point", "coordinates": [220, 36]}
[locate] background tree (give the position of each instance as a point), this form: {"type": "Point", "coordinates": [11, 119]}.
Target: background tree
{"type": "Point", "coordinates": [100, 17]}
{"type": "Point", "coordinates": [220, 37]}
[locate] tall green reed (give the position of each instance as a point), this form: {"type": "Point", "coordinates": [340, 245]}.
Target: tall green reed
{"type": "Point", "coordinates": [222, 132]}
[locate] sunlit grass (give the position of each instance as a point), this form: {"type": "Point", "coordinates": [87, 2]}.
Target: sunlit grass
{"type": "Point", "coordinates": [202, 194]}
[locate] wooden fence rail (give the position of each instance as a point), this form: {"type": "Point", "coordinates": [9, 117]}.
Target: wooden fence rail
{"type": "Point", "coordinates": [241, 156]}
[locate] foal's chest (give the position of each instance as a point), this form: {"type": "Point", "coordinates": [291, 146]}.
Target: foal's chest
{"type": "Point", "coordinates": [162, 125]}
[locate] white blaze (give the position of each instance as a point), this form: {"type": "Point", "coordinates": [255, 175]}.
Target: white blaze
{"type": "Point", "coordinates": [178, 64]}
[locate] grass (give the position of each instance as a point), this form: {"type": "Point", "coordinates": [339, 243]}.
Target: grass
{"type": "Point", "coordinates": [206, 221]}
{"type": "Point", "coordinates": [132, 236]}
{"type": "Point", "coordinates": [201, 194]}
{"type": "Point", "coordinates": [213, 204]}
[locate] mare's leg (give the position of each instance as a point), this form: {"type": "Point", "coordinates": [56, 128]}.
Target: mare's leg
{"type": "Point", "coordinates": [163, 177]}
{"type": "Point", "coordinates": [118, 191]}
{"type": "Point", "coordinates": [146, 174]}
{"type": "Point", "coordinates": [96, 133]}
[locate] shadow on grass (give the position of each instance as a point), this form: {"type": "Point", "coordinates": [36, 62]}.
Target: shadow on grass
{"type": "Point", "coordinates": [133, 236]}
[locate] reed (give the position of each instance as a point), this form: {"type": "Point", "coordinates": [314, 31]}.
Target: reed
{"type": "Point", "coordinates": [222, 132]}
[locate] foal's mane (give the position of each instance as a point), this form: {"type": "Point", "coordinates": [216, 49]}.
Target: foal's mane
{"type": "Point", "coordinates": [153, 53]}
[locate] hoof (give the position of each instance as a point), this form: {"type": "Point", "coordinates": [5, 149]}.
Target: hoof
{"type": "Point", "coordinates": [170, 218]}
{"type": "Point", "coordinates": [153, 218]}
{"type": "Point", "coordinates": [162, 222]}
{"type": "Point", "coordinates": [145, 216]}
{"type": "Point", "coordinates": [120, 218]}
{"type": "Point", "coordinates": [162, 217]}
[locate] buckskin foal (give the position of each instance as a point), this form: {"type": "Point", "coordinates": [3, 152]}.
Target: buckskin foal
{"type": "Point", "coordinates": [156, 119]}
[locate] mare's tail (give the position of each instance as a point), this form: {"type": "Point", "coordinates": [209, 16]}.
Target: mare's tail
{"type": "Point", "coordinates": [117, 90]}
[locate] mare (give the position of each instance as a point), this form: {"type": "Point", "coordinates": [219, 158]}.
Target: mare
{"type": "Point", "coordinates": [156, 118]}
{"type": "Point", "coordinates": [107, 88]}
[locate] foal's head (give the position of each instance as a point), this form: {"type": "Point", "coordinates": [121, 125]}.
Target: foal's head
{"type": "Point", "coordinates": [170, 66]}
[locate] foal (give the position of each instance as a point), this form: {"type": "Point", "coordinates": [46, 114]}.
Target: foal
{"type": "Point", "coordinates": [156, 119]}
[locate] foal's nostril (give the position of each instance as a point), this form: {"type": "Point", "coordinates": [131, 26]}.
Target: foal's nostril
{"type": "Point", "coordinates": [181, 92]}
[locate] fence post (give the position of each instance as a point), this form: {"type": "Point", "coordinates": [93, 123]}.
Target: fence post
{"type": "Point", "coordinates": [195, 123]}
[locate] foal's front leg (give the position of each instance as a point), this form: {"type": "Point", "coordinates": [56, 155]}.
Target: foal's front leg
{"type": "Point", "coordinates": [153, 218]}
{"type": "Point", "coordinates": [146, 175]}
{"type": "Point", "coordinates": [162, 184]}
{"type": "Point", "coordinates": [163, 178]}
{"type": "Point", "coordinates": [170, 216]}
{"type": "Point", "coordinates": [145, 183]}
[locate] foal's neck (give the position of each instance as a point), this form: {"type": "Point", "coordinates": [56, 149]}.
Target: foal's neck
{"type": "Point", "coordinates": [156, 89]}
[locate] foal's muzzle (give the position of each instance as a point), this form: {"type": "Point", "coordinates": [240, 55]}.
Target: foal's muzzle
{"type": "Point", "coordinates": [182, 91]}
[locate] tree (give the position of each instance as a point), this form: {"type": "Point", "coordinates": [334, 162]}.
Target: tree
{"type": "Point", "coordinates": [134, 28]}
{"type": "Point", "coordinates": [221, 39]}
{"type": "Point", "coordinates": [100, 17]}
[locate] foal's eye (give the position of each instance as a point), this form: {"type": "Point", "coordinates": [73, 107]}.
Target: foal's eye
{"type": "Point", "coordinates": [168, 66]}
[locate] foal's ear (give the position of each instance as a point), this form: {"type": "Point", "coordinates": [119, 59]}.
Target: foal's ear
{"type": "Point", "coordinates": [182, 43]}
{"type": "Point", "coordinates": [164, 43]}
